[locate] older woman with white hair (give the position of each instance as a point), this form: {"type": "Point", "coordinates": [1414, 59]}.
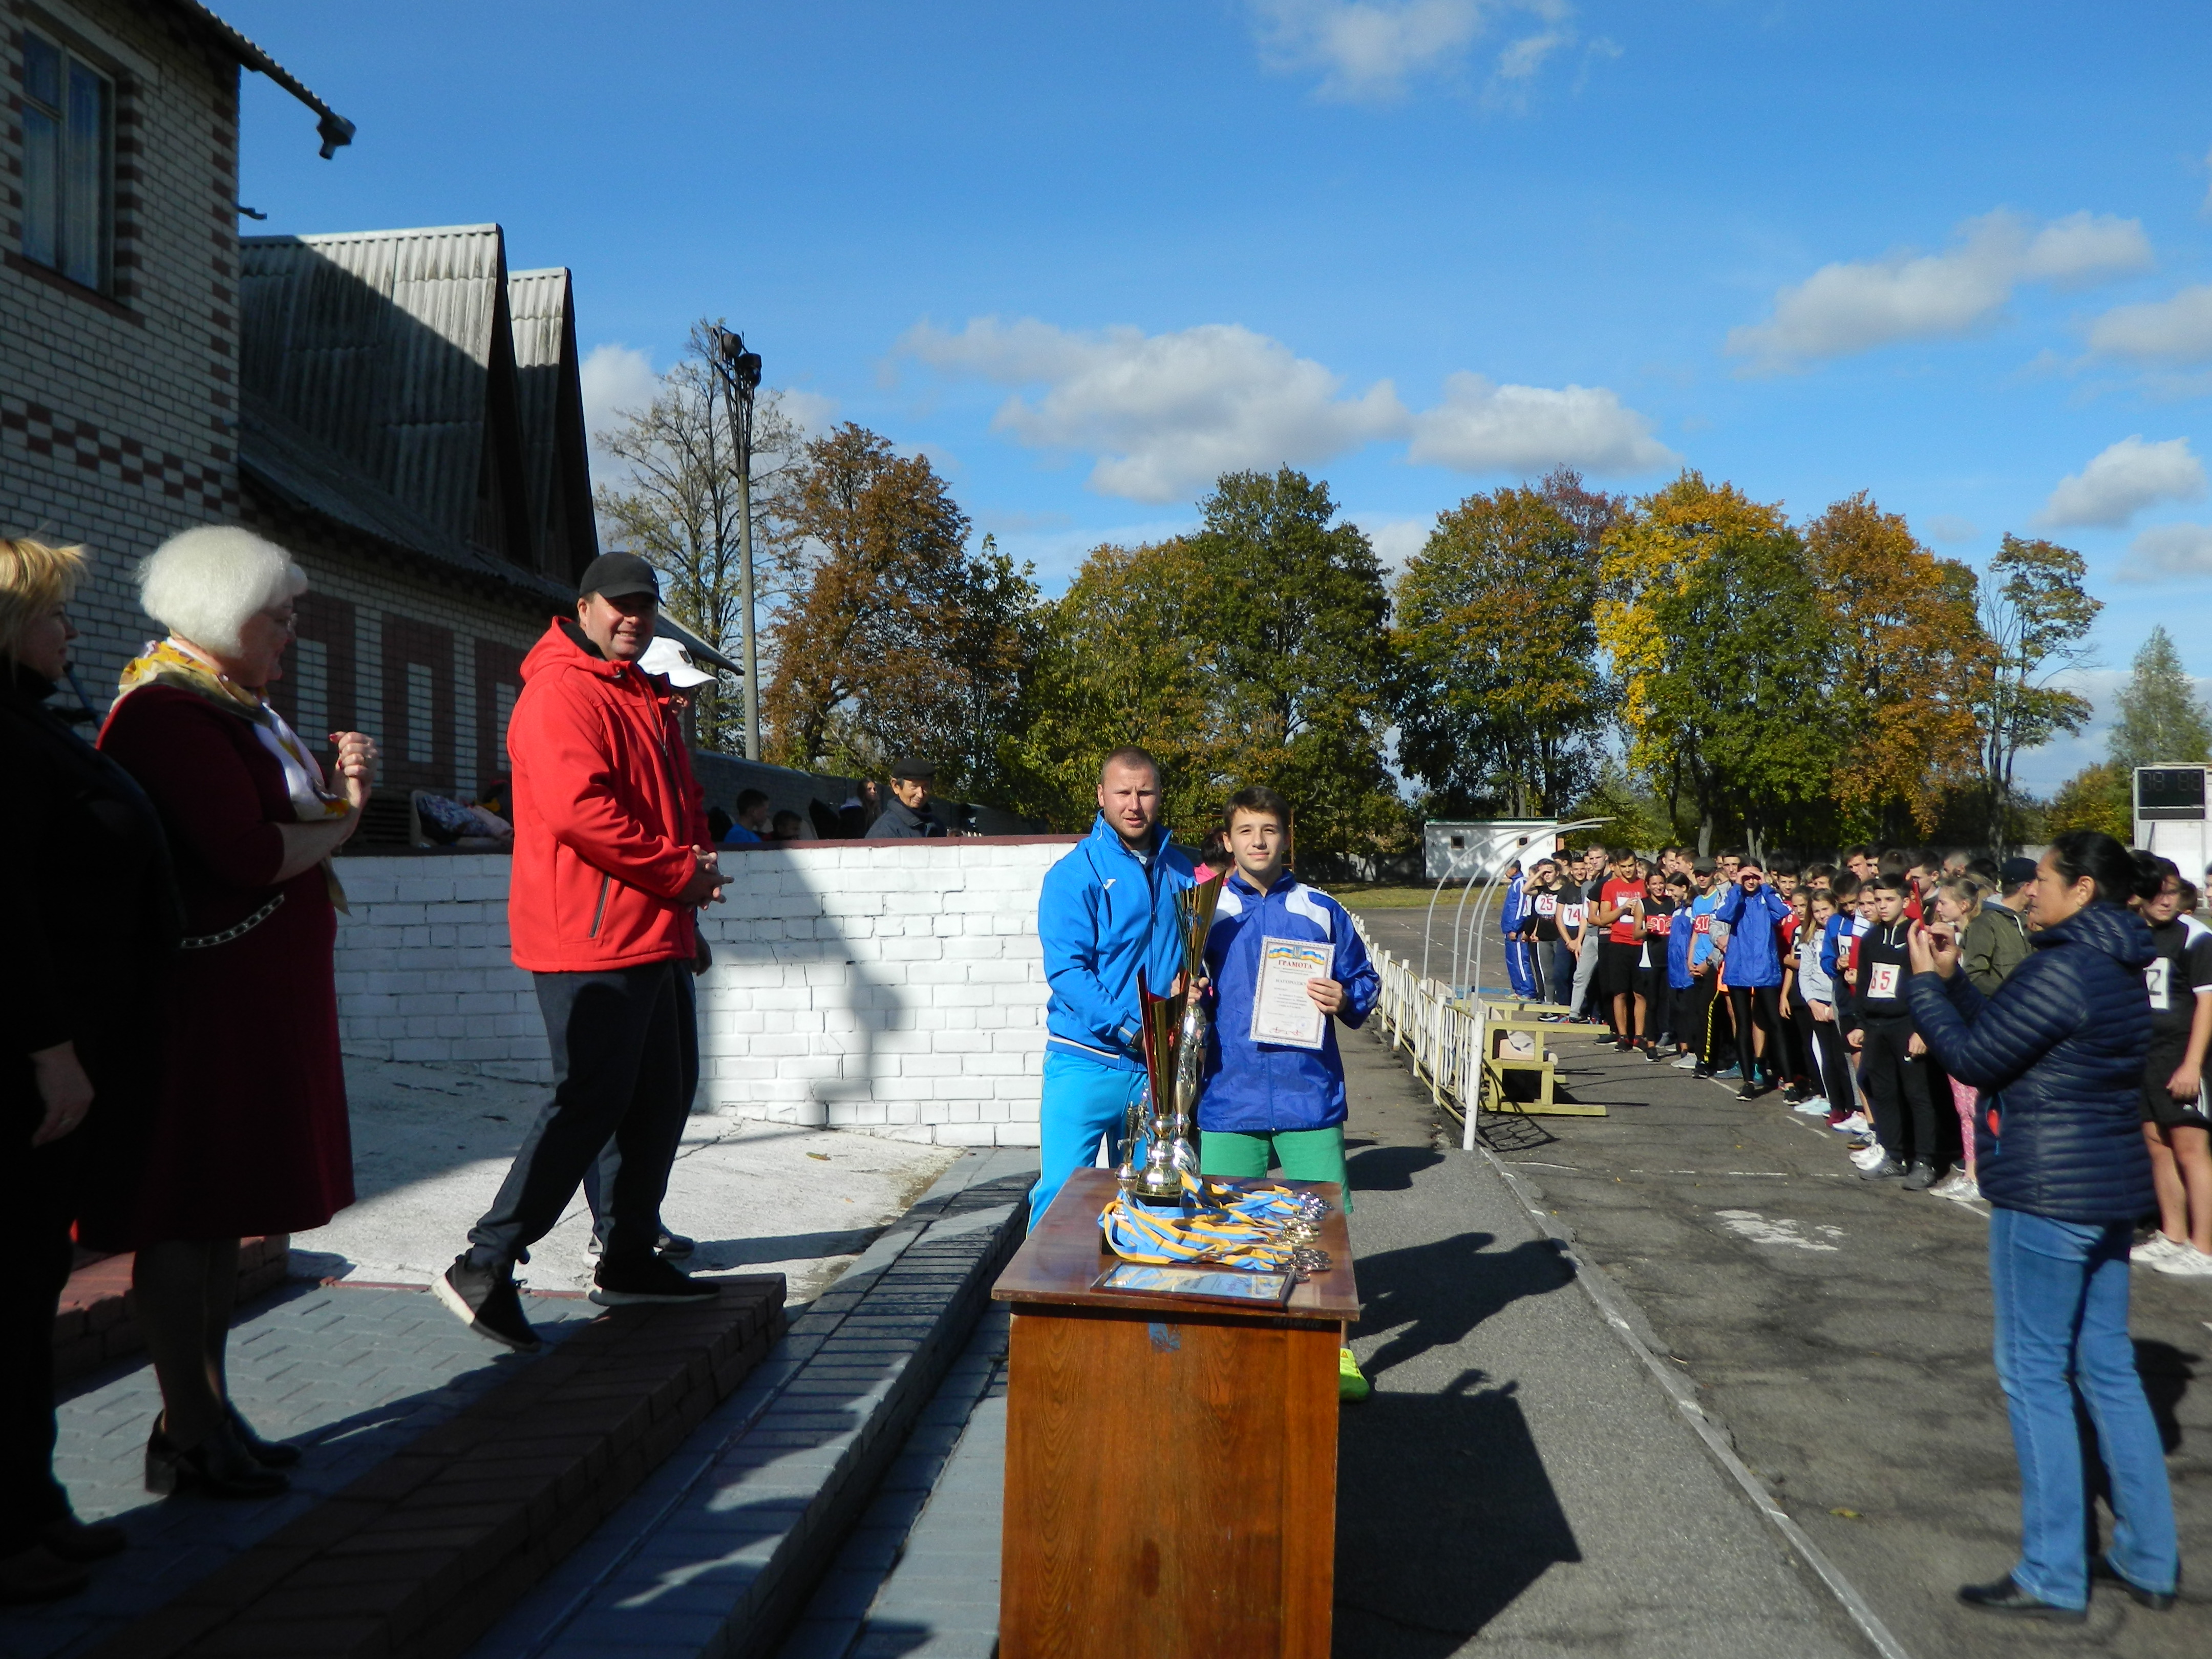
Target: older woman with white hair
{"type": "Point", "coordinates": [248, 1134]}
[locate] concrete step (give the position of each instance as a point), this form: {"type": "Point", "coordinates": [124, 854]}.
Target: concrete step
{"type": "Point", "coordinates": [720, 1551]}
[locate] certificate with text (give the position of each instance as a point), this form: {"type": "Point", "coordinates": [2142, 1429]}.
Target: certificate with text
{"type": "Point", "coordinates": [1282, 1012]}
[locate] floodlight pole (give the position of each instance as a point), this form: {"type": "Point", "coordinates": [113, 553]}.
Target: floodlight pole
{"type": "Point", "coordinates": [740, 373]}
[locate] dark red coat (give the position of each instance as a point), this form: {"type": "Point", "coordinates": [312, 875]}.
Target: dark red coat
{"type": "Point", "coordinates": [249, 1132]}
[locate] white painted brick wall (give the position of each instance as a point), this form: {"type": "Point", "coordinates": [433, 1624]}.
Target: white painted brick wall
{"type": "Point", "coordinates": [893, 987]}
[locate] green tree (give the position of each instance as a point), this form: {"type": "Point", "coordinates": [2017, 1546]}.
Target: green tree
{"type": "Point", "coordinates": [2161, 718]}
{"type": "Point", "coordinates": [2036, 615]}
{"type": "Point", "coordinates": [674, 503]}
{"type": "Point", "coordinates": [2099, 797]}
{"type": "Point", "coordinates": [1504, 703]}
{"type": "Point", "coordinates": [1293, 608]}
{"type": "Point", "coordinates": [1713, 623]}
{"type": "Point", "coordinates": [895, 638]}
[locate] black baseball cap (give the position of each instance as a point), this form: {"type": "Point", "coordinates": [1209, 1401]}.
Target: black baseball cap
{"type": "Point", "coordinates": [2016, 870]}
{"type": "Point", "coordinates": [618, 575]}
{"type": "Point", "coordinates": [914, 768]}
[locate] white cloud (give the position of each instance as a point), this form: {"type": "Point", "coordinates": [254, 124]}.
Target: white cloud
{"type": "Point", "coordinates": [811, 412]}
{"type": "Point", "coordinates": [1950, 527]}
{"type": "Point", "coordinates": [2125, 479]}
{"type": "Point", "coordinates": [2169, 549]}
{"type": "Point", "coordinates": [1368, 50]}
{"type": "Point", "coordinates": [1165, 414]}
{"type": "Point", "coordinates": [1396, 540]}
{"type": "Point", "coordinates": [1481, 428]}
{"type": "Point", "coordinates": [617, 380]}
{"type": "Point", "coordinates": [1857, 305]}
{"type": "Point", "coordinates": [2173, 330]}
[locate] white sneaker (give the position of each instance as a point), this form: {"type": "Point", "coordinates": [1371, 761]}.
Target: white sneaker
{"type": "Point", "coordinates": [1855, 1124]}
{"type": "Point", "coordinates": [1812, 1106]}
{"type": "Point", "coordinates": [1867, 1156]}
{"type": "Point", "coordinates": [2185, 1260]}
{"type": "Point", "coordinates": [1957, 1185]}
{"type": "Point", "coordinates": [1685, 1063]}
{"type": "Point", "coordinates": [2155, 1249]}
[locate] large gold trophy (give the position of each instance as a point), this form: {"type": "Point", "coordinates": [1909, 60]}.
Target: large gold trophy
{"type": "Point", "coordinates": [1175, 1030]}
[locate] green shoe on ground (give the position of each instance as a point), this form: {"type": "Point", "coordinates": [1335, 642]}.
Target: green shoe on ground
{"type": "Point", "coordinates": [1349, 1385]}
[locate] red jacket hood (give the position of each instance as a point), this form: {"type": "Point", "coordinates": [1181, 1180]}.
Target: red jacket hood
{"type": "Point", "coordinates": [606, 812]}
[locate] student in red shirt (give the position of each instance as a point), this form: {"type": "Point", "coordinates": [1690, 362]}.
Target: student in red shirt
{"type": "Point", "coordinates": [1620, 911]}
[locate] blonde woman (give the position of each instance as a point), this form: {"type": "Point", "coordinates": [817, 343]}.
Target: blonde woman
{"type": "Point", "coordinates": [248, 1132]}
{"type": "Point", "coordinates": [91, 919]}
{"type": "Point", "coordinates": [1958, 903]}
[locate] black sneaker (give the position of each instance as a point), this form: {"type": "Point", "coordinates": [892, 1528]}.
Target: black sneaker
{"type": "Point", "coordinates": [647, 1278]}
{"type": "Point", "coordinates": [671, 1247]}
{"type": "Point", "coordinates": [1919, 1178]}
{"type": "Point", "coordinates": [485, 1300]}
{"type": "Point", "coordinates": [1888, 1169]}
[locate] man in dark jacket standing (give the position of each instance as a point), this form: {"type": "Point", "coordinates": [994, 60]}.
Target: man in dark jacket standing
{"type": "Point", "coordinates": [612, 858]}
{"type": "Point", "coordinates": [909, 816]}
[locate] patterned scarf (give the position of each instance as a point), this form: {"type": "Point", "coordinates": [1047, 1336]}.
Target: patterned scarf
{"type": "Point", "coordinates": [177, 665]}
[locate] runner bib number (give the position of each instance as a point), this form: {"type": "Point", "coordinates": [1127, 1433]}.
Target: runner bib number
{"type": "Point", "coordinates": [2155, 977]}
{"type": "Point", "coordinates": [1884, 987]}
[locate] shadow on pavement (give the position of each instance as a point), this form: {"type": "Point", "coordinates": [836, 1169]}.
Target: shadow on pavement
{"type": "Point", "coordinates": [1388, 1169]}
{"type": "Point", "coordinates": [718, 1253]}
{"type": "Point", "coordinates": [1432, 1295]}
{"type": "Point", "coordinates": [1445, 1517]}
{"type": "Point", "coordinates": [2166, 1372]}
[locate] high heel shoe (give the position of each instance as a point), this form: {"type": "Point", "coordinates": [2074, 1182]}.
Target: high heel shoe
{"type": "Point", "coordinates": [269, 1454]}
{"type": "Point", "coordinates": [218, 1466]}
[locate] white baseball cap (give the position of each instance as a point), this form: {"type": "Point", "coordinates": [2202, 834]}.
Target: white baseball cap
{"type": "Point", "coordinates": [666, 656]}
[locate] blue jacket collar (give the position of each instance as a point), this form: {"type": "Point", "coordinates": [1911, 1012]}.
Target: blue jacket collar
{"type": "Point", "coordinates": [1284, 883]}
{"type": "Point", "coordinates": [1104, 832]}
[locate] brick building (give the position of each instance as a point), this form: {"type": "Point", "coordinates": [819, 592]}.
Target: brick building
{"type": "Point", "coordinates": [397, 408]}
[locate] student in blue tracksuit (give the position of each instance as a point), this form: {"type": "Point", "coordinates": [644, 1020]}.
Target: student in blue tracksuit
{"type": "Point", "coordinates": [1754, 914]}
{"type": "Point", "coordinates": [1681, 935]}
{"type": "Point", "coordinates": [1520, 963]}
{"type": "Point", "coordinates": [1272, 1103]}
{"type": "Point", "coordinates": [1107, 912]}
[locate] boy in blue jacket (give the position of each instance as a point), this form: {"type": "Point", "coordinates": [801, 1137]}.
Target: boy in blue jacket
{"type": "Point", "coordinates": [1269, 1102]}
{"type": "Point", "coordinates": [1753, 913]}
{"type": "Point", "coordinates": [1107, 911]}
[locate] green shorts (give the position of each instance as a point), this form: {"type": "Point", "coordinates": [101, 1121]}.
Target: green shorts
{"type": "Point", "coordinates": [1305, 1154]}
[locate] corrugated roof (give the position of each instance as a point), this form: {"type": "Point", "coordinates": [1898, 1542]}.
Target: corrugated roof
{"type": "Point", "coordinates": [549, 400]}
{"type": "Point", "coordinates": [382, 345]}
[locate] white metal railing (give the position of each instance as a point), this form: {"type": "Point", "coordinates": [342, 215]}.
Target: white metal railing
{"type": "Point", "coordinates": [1443, 1034]}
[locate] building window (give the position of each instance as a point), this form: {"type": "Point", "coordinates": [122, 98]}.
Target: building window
{"type": "Point", "coordinates": [311, 693]}
{"type": "Point", "coordinates": [503, 696]}
{"type": "Point", "coordinates": [68, 141]}
{"type": "Point", "coordinates": [421, 713]}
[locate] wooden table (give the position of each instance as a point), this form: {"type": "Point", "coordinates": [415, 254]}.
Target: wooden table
{"type": "Point", "coordinates": [1170, 1464]}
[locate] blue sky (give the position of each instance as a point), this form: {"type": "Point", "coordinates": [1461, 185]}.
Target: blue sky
{"type": "Point", "coordinates": [1083, 257]}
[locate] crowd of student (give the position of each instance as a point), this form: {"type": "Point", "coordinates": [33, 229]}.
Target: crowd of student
{"type": "Point", "coordinates": [1789, 975]}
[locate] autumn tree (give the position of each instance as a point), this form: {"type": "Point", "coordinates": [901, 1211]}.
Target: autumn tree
{"type": "Point", "coordinates": [1255, 650]}
{"type": "Point", "coordinates": [2160, 716]}
{"type": "Point", "coordinates": [674, 503]}
{"type": "Point", "coordinates": [2099, 797]}
{"type": "Point", "coordinates": [1906, 651]}
{"type": "Point", "coordinates": [2037, 616]}
{"type": "Point", "coordinates": [1716, 634]}
{"type": "Point", "coordinates": [895, 638]}
{"type": "Point", "coordinates": [1504, 701]}
{"type": "Point", "coordinates": [1124, 659]}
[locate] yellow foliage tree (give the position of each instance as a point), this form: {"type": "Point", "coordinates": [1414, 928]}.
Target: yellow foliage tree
{"type": "Point", "coordinates": [1909, 651]}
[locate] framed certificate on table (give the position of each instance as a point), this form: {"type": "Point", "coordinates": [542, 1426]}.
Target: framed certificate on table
{"type": "Point", "coordinates": [1282, 1012]}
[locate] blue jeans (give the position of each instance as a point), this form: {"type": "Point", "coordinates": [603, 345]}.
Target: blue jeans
{"type": "Point", "coordinates": [2061, 1289]}
{"type": "Point", "coordinates": [1086, 1102]}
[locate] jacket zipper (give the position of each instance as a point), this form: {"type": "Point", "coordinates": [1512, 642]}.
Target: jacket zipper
{"type": "Point", "coordinates": [600, 914]}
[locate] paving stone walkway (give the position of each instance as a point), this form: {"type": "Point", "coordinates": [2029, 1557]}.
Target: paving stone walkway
{"type": "Point", "coordinates": [351, 1374]}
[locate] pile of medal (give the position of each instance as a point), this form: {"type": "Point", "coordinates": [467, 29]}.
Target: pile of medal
{"type": "Point", "coordinates": [1266, 1229]}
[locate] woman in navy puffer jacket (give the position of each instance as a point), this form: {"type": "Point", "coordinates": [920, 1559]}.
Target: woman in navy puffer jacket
{"type": "Point", "coordinates": [2057, 1053]}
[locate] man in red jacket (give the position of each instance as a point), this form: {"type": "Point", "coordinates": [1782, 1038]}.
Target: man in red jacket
{"type": "Point", "coordinates": [612, 858]}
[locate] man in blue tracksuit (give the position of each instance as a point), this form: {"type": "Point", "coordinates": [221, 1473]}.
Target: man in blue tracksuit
{"type": "Point", "coordinates": [1753, 913]}
{"type": "Point", "coordinates": [1519, 960]}
{"type": "Point", "coordinates": [1107, 913]}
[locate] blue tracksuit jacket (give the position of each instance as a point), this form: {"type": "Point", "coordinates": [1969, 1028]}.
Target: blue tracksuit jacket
{"type": "Point", "coordinates": [1102, 916]}
{"type": "Point", "coordinates": [1754, 947]}
{"type": "Point", "coordinates": [1681, 934]}
{"type": "Point", "coordinates": [1260, 1088]}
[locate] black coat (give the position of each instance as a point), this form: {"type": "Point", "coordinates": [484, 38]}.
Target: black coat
{"type": "Point", "coordinates": [94, 914]}
{"type": "Point", "coordinates": [901, 822]}
{"type": "Point", "coordinates": [2057, 1053]}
